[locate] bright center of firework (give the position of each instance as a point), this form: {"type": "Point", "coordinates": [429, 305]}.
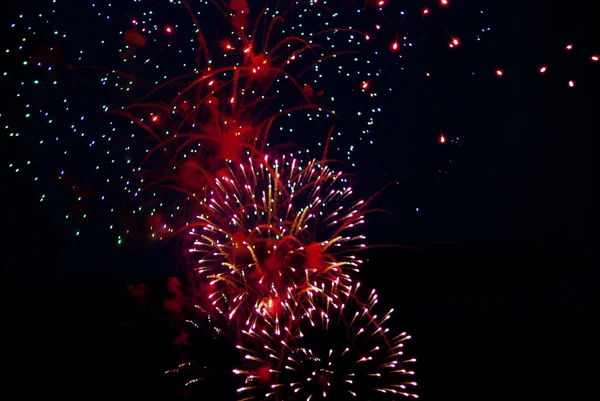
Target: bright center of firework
{"type": "Point", "coordinates": [272, 234]}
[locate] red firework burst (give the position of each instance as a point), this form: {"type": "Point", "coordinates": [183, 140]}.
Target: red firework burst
{"type": "Point", "coordinates": [273, 233]}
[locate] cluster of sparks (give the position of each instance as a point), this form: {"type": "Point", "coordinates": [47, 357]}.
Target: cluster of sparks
{"type": "Point", "coordinates": [275, 238]}
{"type": "Point", "coordinates": [205, 108]}
{"type": "Point", "coordinates": [200, 83]}
{"type": "Point", "coordinates": [275, 251]}
{"type": "Point", "coordinates": [337, 350]}
{"type": "Point", "coordinates": [271, 234]}
{"type": "Point", "coordinates": [260, 80]}
{"type": "Point", "coordinates": [222, 97]}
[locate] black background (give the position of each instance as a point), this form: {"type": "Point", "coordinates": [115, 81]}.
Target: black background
{"type": "Point", "coordinates": [500, 293]}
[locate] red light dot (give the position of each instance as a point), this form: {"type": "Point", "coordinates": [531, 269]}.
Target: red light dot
{"type": "Point", "coordinates": [543, 69]}
{"type": "Point", "coordinates": [367, 37]}
{"type": "Point", "coordinates": [442, 139]}
{"type": "Point", "coordinates": [154, 119]}
{"type": "Point", "coordinates": [381, 3]}
{"type": "Point", "coordinates": [569, 47]}
{"type": "Point", "coordinates": [571, 84]}
{"type": "Point", "coordinates": [425, 11]}
{"type": "Point", "coordinates": [444, 3]}
{"type": "Point", "coordinates": [395, 46]}
{"type": "Point", "coordinates": [499, 72]}
{"type": "Point", "coordinates": [595, 58]}
{"type": "Point", "coordinates": [168, 29]}
{"type": "Point", "coordinates": [378, 27]}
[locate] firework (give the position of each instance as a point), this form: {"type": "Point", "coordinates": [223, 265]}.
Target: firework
{"type": "Point", "coordinates": [342, 351]}
{"type": "Point", "coordinates": [200, 84]}
{"type": "Point", "coordinates": [264, 61]}
{"type": "Point", "coordinates": [271, 234]}
{"type": "Point", "coordinates": [230, 106]}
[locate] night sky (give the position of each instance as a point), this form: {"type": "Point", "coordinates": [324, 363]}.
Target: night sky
{"type": "Point", "coordinates": [495, 279]}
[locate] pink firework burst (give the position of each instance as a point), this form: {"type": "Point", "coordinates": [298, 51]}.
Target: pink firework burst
{"type": "Point", "coordinates": [272, 234]}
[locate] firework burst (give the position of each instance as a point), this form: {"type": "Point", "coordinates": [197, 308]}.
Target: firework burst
{"type": "Point", "coordinates": [340, 351]}
{"type": "Point", "coordinates": [229, 105]}
{"type": "Point", "coordinates": [272, 234]}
